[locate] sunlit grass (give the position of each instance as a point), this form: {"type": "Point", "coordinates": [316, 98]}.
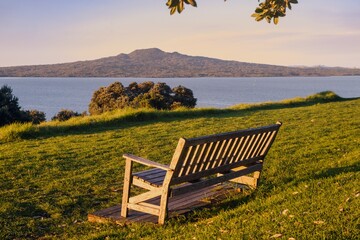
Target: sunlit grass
{"type": "Point", "coordinates": [50, 179]}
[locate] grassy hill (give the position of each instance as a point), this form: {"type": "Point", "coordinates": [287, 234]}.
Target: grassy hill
{"type": "Point", "coordinates": [52, 175]}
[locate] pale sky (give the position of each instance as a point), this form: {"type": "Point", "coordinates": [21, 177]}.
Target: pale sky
{"type": "Point", "coordinates": [315, 32]}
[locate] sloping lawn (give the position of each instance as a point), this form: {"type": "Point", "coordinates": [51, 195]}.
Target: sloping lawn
{"type": "Point", "coordinates": [310, 186]}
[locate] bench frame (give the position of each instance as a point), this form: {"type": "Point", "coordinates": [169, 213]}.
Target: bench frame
{"type": "Point", "coordinates": [198, 163]}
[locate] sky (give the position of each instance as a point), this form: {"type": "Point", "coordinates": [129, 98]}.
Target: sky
{"type": "Point", "coordinates": [320, 32]}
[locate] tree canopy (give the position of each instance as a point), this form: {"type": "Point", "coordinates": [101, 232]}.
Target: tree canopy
{"type": "Point", "coordinates": [267, 9]}
{"type": "Point", "coordinates": [140, 95]}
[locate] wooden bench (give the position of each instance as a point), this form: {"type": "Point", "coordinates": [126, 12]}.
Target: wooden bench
{"type": "Point", "coordinates": [196, 164]}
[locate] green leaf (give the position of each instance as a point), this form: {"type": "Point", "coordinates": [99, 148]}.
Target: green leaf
{"type": "Point", "coordinates": [191, 2]}
{"type": "Point", "coordinates": [180, 7]}
{"type": "Point", "coordinates": [173, 10]}
{"type": "Point", "coordinates": [276, 20]}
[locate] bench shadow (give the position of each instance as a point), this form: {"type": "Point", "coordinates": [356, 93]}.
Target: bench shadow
{"type": "Point", "coordinates": [332, 172]}
{"type": "Point", "coordinates": [213, 209]}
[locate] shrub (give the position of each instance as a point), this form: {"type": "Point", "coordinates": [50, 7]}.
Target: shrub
{"type": "Point", "coordinates": [34, 116]}
{"type": "Point", "coordinates": [65, 114]}
{"type": "Point", "coordinates": [143, 95]}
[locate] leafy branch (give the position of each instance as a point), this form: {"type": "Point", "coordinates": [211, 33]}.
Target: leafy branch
{"type": "Point", "coordinates": [268, 9]}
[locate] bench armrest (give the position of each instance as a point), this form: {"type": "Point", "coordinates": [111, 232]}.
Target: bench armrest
{"type": "Point", "coordinates": [146, 162]}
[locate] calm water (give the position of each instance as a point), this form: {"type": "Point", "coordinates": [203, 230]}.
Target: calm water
{"type": "Point", "coordinates": [50, 95]}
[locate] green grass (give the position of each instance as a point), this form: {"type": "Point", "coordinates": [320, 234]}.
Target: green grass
{"type": "Point", "coordinates": [52, 175]}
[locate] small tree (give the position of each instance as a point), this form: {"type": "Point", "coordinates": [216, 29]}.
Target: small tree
{"type": "Point", "coordinates": [9, 107]}
{"type": "Point", "coordinates": [35, 116]}
{"type": "Point", "coordinates": [65, 114]}
{"type": "Point", "coordinates": [183, 97]}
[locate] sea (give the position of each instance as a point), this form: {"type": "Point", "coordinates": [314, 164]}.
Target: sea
{"type": "Point", "coordinates": [50, 95]}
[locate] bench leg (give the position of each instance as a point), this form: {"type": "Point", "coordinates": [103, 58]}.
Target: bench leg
{"type": "Point", "coordinates": [126, 190]}
{"type": "Point", "coordinates": [163, 207]}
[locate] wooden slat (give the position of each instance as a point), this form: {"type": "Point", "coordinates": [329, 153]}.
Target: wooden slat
{"type": "Point", "coordinates": [223, 136]}
{"type": "Point", "coordinates": [248, 147]}
{"type": "Point", "coordinates": [193, 160]}
{"type": "Point", "coordinates": [178, 157]}
{"type": "Point", "coordinates": [261, 143]}
{"type": "Point", "coordinates": [212, 181]}
{"type": "Point", "coordinates": [146, 162]}
{"type": "Point", "coordinates": [231, 152]}
{"type": "Point", "coordinates": [145, 196]}
{"type": "Point", "coordinates": [215, 154]}
{"type": "Point", "coordinates": [150, 175]}
{"type": "Point", "coordinates": [201, 157]}
{"type": "Point", "coordinates": [222, 154]}
{"type": "Point", "coordinates": [212, 171]}
{"type": "Point", "coordinates": [145, 207]}
{"type": "Point", "coordinates": [187, 159]}
{"type": "Point", "coordinates": [208, 155]}
{"type": "Point", "coordinates": [269, 143]}
{"type": "Point", "coordinates": [177, 205]}
{"type": "Point", "coordinates": [237, 150]}
{"type": "Point", "coordinates": [146, 185]}
{"type": "Point", "coordinates": [254, 145]}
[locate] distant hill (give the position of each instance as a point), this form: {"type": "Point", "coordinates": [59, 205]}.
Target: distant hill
{"type": "Point", "coordinates": [155, 63]}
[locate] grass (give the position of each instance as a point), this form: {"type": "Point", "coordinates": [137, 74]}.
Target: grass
{"type": "Point", "coordinates": [52, 175]}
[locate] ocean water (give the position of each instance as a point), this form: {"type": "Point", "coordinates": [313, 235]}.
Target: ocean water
{"type": "Point", "coordinates": [50, 95]}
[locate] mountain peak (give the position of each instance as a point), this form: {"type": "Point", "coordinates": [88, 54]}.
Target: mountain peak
{"type": "Point", "coordinates": [148, 51]}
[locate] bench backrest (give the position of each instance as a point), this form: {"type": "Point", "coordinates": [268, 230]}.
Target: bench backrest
{"type": "Point", "coordinates": [204, 156]}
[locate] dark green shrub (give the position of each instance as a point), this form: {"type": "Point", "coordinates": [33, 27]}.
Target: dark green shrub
{"type": "Point", "coordinates": [35, 116]}
{"type": "Point", "coordinates": [10, 110]}
{"type": "Point", "coordinates": [65, 114]}
{"type": "Point", "coordinates": [143, 95]}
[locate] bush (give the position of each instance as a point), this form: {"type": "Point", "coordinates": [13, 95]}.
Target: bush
{"type": "Point", "coordinates": [9, 107]}
{"type": "Point", "coordinates": [143, 95]}
{"type": "Point", "coordinates": [35, 116]}
{"type": "Point", "coordinates": [65, 114]}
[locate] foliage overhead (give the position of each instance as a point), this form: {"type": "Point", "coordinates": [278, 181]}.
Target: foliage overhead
{"type": "Point", "coordinates": [267, 9]}
{"type": "Point", "coordinates": [143, 95]}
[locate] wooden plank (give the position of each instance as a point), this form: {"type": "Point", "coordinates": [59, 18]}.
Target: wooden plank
{"type": "Point", "coordinates": [257, 139]}
{"type": "Point", "coordinates": [221, 156]}
{"type": "Point", "coordinates": [201, 158]}
{"type": "Point", "coordinates": [126, 189]}
{"type": "Point", "coordinates": [145, 207]}
{"type": "Point", "coordinates": [191, 163]}
{"type": "Point", "coordinates": [145, 196]}
{"type": "Point", "coordinates": [186, 161]}
{"type": "Point", "coordinates": [146, 162]}
{"type": "Point", "coordinates": [229, 135]}
{"type": "Point", "coordinates": [143, 184]}
{"type": "Point", "coordinates": [232, 151]}
{"type": "Point", "coordinates": [260, 144]}
{"type": "Point", "coordinates": [237, 150]}
{"type": "Point", "coordinates": [178, 157]}
{"type": "Point", "coordinates": [215, 154]}
{"type": "Point", "coordinates": [212, 171]}
{"type": "Point", "coordinates": [213, 181]}
{"type": "Point", "coordinates": [208, 155]}
{"type": "Point", "coordinates": [177, 206]}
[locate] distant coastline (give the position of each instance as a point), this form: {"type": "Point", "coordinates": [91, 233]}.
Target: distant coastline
{"type": "Point", "coordinates": [155, 63]}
